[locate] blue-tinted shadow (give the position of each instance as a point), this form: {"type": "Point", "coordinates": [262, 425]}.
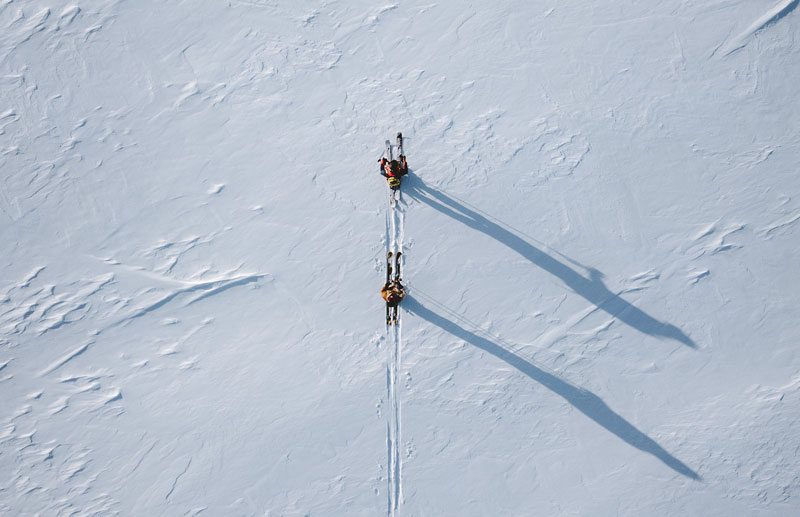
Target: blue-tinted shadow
{"type": "Point", "coordinates": [592, 289]}
{"type": "Point", "coordinates": [583, 400]}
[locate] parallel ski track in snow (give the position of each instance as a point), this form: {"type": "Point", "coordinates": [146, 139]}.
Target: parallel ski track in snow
{"type": "Point", "coordinates": [394, 241]}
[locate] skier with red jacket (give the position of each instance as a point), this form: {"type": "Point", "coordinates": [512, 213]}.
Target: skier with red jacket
{"type": "Point", "coordinates": [392, 291]}
{"type": "Point", "coordinates": [393, 170]}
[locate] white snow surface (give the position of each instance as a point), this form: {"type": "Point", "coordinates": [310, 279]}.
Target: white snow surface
{"type": "Point", "coordinates": [599, 232]}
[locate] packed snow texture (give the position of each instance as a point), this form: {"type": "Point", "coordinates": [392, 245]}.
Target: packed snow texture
{"type": "Point", "coordinates": [600, 232]}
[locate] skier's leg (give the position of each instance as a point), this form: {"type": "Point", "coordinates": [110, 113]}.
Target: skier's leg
{"type": "Point", "coordinates": [388, 266]}
{"type": "Point", "coordinates": [388, 314]}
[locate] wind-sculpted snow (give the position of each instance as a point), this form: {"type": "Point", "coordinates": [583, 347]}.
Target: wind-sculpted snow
{"type": "Point", "coordinates": [599, 236]}
{"type": "Point", "coordinates": [32, 305]}
{"type": "Point", "coordinates": [204, 288]}
{"type": "Point", "coordinates": [64, 387]}
{"type": "Point", "coordinates": [780, 10]}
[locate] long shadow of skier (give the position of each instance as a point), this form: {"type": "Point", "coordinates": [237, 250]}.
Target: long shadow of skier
{"type": "Point", "coordinates": [583, 400]}
{"type": "Point", "coordinates": [592, 289]}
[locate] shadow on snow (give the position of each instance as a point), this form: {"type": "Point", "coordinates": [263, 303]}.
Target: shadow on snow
{"type": "Point", "coordinates": [583, 400]}
{"type": "Point", "coordinates": [592, 289]}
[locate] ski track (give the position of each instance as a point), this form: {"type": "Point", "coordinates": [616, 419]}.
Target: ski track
{"type": "Point", "coordinates": [395, 230]}
{"type": "Point", "coordinates": [398, 349]}
{"type": "Point", "coordinates": [391, 387]}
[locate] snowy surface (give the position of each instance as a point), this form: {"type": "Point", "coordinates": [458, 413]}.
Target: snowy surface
{"type": "Point", "coordinates": [600, 235]}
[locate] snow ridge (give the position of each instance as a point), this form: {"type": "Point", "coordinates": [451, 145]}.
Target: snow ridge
{"type": "Point", "coordinates": [192, 246]}
{"type": "Point", "coordinates": [773, 15]}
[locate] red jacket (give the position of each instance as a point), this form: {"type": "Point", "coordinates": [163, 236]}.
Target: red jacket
{"type": "Point", "coordinates": [393, 293]}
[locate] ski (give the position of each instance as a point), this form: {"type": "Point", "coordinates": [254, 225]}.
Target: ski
{"type": "Point", "coordinates": [396, 308]}
{"type": "Point", "coordinates": [398, 167]}
{"type": "Point", "coordinates": [397, 279]}
{"type": "Point", "coordinates": [393, 198]}
{"type": "Point", "coordinates": [388, 278]}
{"type": "Point", "coordinates": [393, 280]}
{"type": "Point", "coordinates": [397, 266]}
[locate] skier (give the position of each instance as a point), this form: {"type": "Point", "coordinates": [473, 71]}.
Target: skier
{"type": "Point", "coordinates": [393, 170]}
{"type": "Point", "coordinates": [392, 291]}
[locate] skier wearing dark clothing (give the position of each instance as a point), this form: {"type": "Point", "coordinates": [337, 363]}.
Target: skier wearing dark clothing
{"type": "Point", "coordinates": [393, 170]}
{"type": "Point", "coordinates": [392, 291]}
